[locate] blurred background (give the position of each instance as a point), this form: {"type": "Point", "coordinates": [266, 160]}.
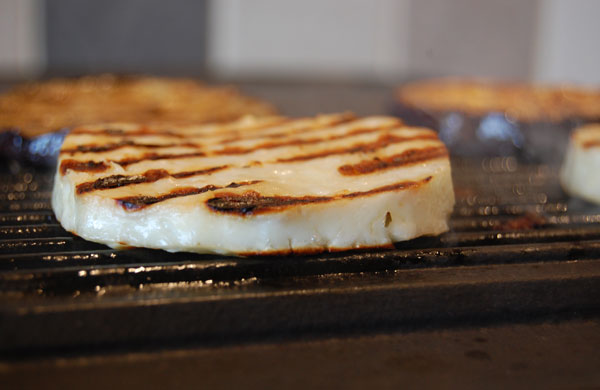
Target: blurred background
{"type": "Point", "coordinates": [378, 41]}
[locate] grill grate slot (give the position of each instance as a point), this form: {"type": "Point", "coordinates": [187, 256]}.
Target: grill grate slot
{"type": "Point", "coordinates": [27, 218]}
{"type": "Point", "coordinates": [32, 231]}
{"type": "Point", "coordinates": [87, 271]}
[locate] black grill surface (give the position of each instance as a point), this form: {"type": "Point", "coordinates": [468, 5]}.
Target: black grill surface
{"type": "Point", "coordinates": [519, 249]}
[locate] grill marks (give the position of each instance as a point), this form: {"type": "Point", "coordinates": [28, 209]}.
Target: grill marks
{"type": "Point", "coordinates": [368, 147]}
{"type": "Point", "coordinates": [343, 119]}
{"type": "Point", "coordinates": [408, 157]}
{"type": "Point", "coordinates": [239, 150]}
{"type": "Point", "coordinates": [135, 203]}
{"type": "Point", "coordinates": [153, 175]}
{"type": "Point", "coordinates": [116, 181]}
{"type": "Point", "coordinates": [148, 132]}
{"type": "Point", "coordinates": [141, 132]}
{"type": "Point", "coordinates": [367, 167]}
{"type": "Point", "coordinates": [302, 141]}
{"type": "Point", "coordinates": [82, 166]}
{"type": "Point", "coordinates": [155, 157]}
{"type": "Point", "coordinates": [595, 143]}
{"type": "Point", "coordinates": [94, 148]}
{"type": "Point", "coordinates": [252, 202]}
{"type": "Point", "coordinates": [232, 134]}
{"type": "Point", "coordinates": [587, 136]}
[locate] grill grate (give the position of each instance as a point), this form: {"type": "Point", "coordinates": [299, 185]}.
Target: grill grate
{"type": "Point", "coordinates": [517, 246]}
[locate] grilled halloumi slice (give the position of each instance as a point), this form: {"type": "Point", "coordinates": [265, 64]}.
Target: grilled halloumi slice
{"type": "Point", "coordinates": [36, 108]}
{"type": "Point", "coordinates": [579, 173]}
{"type": "Point", "coordinates": [258, 185]}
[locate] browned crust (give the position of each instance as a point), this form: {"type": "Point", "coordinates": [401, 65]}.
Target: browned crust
{"type": "Point", "coordinates": [82, 166]}
{"type": "Point", "coordinates": [367, 147]}
{"type": "Point", "coordinates": [406, 158]}
{"type": "Point", "coordinates": [382, 142]}
{"type": "Point", "coordinates": [136, 203]}
{"type": "Point", "coordinates": [411, 156]}
{"type": "Point", "coordinates": [155, 157]}
{"type": "Point", "coordinates": [36, 108]}
{"type": "Point", "coordinates": [233, 135]}
{"type": "Point", "coordinates": [140, 132]}
{"type": "Point", "coordinates": [143, 131]}
{"type": "Point", "coordinates": [301, 141]}
{"type": "Point", "coordinates": [592, 144]}
{"type": "Point", "coordinates": [116, 181]}
{"type": "Point", "coordinates": [253, 203]}
{"type": "Point", "coordinates": [524, 102]}
{"type": "Point", "coordinates": [95, 148]}
{"type": "Point", "coordinates": [345, 118]}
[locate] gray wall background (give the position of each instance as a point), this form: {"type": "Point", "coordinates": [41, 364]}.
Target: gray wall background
{"type": "Point", "coordinates": [148, 36]}
{"type": "Point", "coordinates": [473, 37]}
{"type": "Point", "coordinates": [328, 40]}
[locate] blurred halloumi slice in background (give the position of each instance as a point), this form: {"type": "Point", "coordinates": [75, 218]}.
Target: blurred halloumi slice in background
{"type": "Point", "coordinates": [580, 173]}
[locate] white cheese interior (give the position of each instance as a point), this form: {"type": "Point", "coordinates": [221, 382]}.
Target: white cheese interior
{"type": "Point", "coordinates": [580, 173]}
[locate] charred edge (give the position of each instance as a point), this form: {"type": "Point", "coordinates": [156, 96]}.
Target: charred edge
{"type": "Point", "coordinates": [135, 203]}
{"type": "Point", "coordinates": [96, 148]}
{"type": "Point", "coordinates": [252, 203]}
{"type": "Point", "coordinates": [408, 157]}
{"type": "Point", "coordinates": [109, 132]}
{"type": "Point", "coordinates": [93, 148]}
{"type": "Point", "coordinates": [302, 141]}
{"type": "Point", "coordinates": [405, 185]}
{"type": "Point", "coordinates": [82, 166]}
{"type": "Point", "coordinates": [141, 132]}
{"type": "Point", "coordinates": [116, 181]}
{"type": "Point", "coordinates": [591, 144]}
{"type": "Point", "coordinates": [344, 119]}
{"type": "Point", "coordinates": [380, 143]}
{"type": "Point", "coordinates": [154, 157]}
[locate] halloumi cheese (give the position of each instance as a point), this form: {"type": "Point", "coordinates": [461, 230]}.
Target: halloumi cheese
{"type": "Point", "coordinates": [36, 108]}
{"type": "Point", "coordinates": [271, 185]}
{"type": "Point", "coordinates": [579, 174]}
